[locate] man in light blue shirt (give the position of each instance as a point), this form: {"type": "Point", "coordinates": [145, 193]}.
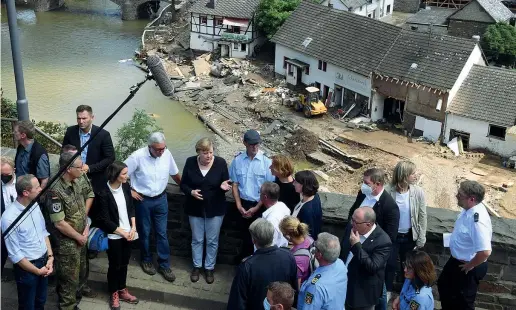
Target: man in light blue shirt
{"type": "Point", "coordinates": [248, 171]}
{"type": "Point", "coordinates": [28, 245]}
{"type": "Point", "coordinates": [327, 286]}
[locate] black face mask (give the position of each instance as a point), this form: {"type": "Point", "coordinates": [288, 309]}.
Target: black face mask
{"type": "Point", "coordinates": [6, 178]}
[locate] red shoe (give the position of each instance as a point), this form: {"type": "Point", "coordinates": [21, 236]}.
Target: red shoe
{"type": "Point", "coordinates": [114, 301]}
{"type": "Point", "coordinates": [126, 297]}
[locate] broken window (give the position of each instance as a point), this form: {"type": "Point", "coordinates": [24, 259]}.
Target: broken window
{"type": "Point", "coordinates": [322, 65]}
{"type": "Point", "coordinates": [203, 20]}
{"type": "Point", "coordinates": [243, 47]}
{"type": "Point", "coordinates": [235, 46]}
{"type": "Point", "coordinates": [318, 85]}
{"type": "Point", "coordinates": [388, 9]}
{"type": "Point", "coordinates": [219, 22]}
{"type": "Point", "coordinates": [290, 70]}
{"type": "Point", "coordinates": [235, 29]}
{"type": "Point", "coordinates": [285, 62]}
{"type": "Point", "coordinates": [497, 131]}
{"type": "Point", "coordinates": [307, 70]}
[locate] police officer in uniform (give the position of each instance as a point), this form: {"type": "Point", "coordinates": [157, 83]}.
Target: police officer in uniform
{"type": "Point", "coordinates": [248, 171]}
{"type": "Point", "coordinates": [470, 246]}
{"type": "Point", "coordinates": [68, 213]}
{"type": "Point", "coordinates": [326, 287]}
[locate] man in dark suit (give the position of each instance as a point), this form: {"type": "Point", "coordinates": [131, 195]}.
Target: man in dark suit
{"type": "Point", "coordinates": [365, 250]}
{"type": "Point", "coordinates": [99, 154]}
{"type": "Point", "coordinates": [372, 194]}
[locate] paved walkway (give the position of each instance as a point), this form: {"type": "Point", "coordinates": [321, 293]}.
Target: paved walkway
{"type": "Point", "coordinates": [154, 292]}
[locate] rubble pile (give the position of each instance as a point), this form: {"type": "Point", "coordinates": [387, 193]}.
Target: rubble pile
{"type": "Point", "coordinates": [301, 143]}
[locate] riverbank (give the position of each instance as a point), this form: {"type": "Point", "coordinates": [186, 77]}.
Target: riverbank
{"type": "Point", "coordinates": [233, 95]}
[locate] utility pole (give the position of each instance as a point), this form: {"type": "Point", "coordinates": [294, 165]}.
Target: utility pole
{"type": "Point", "coordinates": [22, 105]}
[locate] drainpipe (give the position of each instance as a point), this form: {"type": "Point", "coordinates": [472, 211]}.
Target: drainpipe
{"type": "Point", "coordinates": [22, 105]}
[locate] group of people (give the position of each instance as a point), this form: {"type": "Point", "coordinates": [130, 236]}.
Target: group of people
{"type": "Point", "coordinates": [285, 260]}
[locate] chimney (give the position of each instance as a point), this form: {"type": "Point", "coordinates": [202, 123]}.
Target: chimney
{"type": "Point", "coordinates": [212, 3]}
{"type": "Point", "coordinates": [413, 27]}
{"type": "Point", "coordinates": [476, 38]}
{"type": "Point", "coordinates": [330, 5]}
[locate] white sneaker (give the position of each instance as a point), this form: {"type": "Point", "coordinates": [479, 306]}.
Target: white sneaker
{"type": "Point", "coordinates": [389, 295]}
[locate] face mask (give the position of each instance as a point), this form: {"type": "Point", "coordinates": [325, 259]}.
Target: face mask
{"type": "Point", "coordinates": [266, 305]}
{"type": "Point", "coordinates": [7, 178]}
{"type": "Point", "coordinates": [366, 189]}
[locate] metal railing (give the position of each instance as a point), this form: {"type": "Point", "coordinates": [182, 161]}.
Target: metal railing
{"type": "Point", "coordinates": [41, 132]}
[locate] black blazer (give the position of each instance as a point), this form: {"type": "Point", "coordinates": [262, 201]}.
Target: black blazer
{"type": "Point", "coordinates": [214, 198]}
{"type": "Point", "coordinates": [101, 153]}
{"type": "Point", "coordinates": [107, 216]}
{"type": "Point", "coordinates": [366, 270]}
{"type": "Point", "coordinates": [387, 213]}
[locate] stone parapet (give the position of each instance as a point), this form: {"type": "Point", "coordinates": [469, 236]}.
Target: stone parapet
{"type": "Point", "coordinates": [496, 291]}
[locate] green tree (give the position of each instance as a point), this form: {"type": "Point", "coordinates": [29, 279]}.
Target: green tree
{"type": "Point", "coordinates": [271, 14]}
{"type": "Point", "coordinates": [499, 41]}
{"type": "Point", "coordinates": [54, 129]}
{"type": "Point", "coordinates": [133, 135]}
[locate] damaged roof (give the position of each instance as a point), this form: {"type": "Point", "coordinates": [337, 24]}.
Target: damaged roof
{"type": "Point", "coordinates": [344, 39]}
{"type": "Point", "coordinates": [365, 45]}
{"type": "Point", "coordinates": [476, 10]}
{"type": "Point", "coordinates": [350, 4]}
{"type": "Point", "coordinates": [427, 59]}
{"type": "Point", "coordinates": [487, 94]}
{"type": "Point", "coordinates": [226, 8]}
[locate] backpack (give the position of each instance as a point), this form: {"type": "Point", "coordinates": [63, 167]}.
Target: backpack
{"type": "Point", "coordinates": [310, 252]}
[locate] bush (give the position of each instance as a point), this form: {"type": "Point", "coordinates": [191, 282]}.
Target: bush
{"type": "Point", "coordinates": [499, 41]}
{"type": "Point", "coordinates": [133, 135]}
{"type": "Point", "coordinates": [54, 129]}
{"type": "Point", "coordinates": [271, 14]}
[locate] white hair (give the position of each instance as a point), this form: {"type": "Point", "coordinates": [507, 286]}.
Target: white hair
{"type": "Point", "coordinates": [156, 137]}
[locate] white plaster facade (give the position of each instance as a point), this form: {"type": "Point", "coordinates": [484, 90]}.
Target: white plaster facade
{"type": "Point", "coordinates": [475, 58]}
{"type": "Point", "coordinates": [479, 135]}
{"type": "Point", "coordinates": [374, 8]}
{"type": "Point", "coordinates": [208, 32]}
{"type": "Point", "coordinates": [333, 77]}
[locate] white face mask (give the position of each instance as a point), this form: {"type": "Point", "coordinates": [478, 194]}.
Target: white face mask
{"type": "Point", "coordinates": [366, 190]}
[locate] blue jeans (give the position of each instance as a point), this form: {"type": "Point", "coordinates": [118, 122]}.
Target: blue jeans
{"type": "Point", "coordinates": [210, 227]}
{"type": "Point", "coordinates": [153, 212]}
{"type": "Point", "coordinates": [32, 289]}
{"type": "Point", "coordinates": [382, 302]}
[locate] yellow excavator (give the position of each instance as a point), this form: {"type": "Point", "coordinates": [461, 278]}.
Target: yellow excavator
{"type": "Point", "coordinates": [310, 103]}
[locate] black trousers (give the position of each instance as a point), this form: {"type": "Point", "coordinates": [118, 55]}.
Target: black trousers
{"type": "Point", "coordinates": [404, 243]}
{"type": "Point", "coordinates": [4, 254]}
{"type": "Point", "coordinates": [247, 244]}
{"type": "Point", "coordinates": [119, 253]}
{"type": "Point", "coordinates": [457, 289]}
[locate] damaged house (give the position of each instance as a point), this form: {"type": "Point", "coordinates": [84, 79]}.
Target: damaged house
{"type": "Point", "coordinates": [483, 113]}
{"type": "Point", "coordinates": [367, 67]}
{"type": "Point", "coordinates": [227, 25]}
{"type": "Point", "coordinates": [333, 50]}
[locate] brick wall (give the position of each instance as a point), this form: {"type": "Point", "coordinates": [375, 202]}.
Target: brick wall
{"type": "Point", "coordinates": [466, 29]}
{"type": "Point", "coordinates": [497, 290]}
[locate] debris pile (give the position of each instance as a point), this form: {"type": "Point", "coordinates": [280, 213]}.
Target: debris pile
{"type": "Point", "coordinates": [301, 143]}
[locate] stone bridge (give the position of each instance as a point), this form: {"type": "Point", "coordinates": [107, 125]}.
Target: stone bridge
{"type": "Point", "coordinates": [131, 9]}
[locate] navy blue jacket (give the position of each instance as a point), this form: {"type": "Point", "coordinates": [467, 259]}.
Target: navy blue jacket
{"type": "Point", "coordinates": [267, 265]}
{"type": "Point", "coordinates": [311, 214]}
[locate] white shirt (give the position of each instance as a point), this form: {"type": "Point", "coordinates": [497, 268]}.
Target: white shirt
{"type": "Point", "coordinates": [123, 216]}
{"type": "Point", "coordinates": [469, 237]}
{"type": "Point", "coordinates": [149, 175]}
{"type": "Point", "coordinates": [363, 238]}
{"type": "Point", "coordinates": [298, 207]}
{"type": "Point", "coordinates": [403, 202]}
{"type": "Point", "coordinates": [370, 201]}
{"type": "Point", "coordinates": [9, 192]}
{"type": "Point", "coordinates": [274, 215]}
{"type": "Point", "coordinates": [27, 240]}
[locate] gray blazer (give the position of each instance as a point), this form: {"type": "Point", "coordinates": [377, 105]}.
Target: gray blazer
{"type": "Point", "coordinates": [417, 212]}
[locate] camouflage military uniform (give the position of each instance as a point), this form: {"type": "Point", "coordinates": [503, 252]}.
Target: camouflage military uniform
{"type": "Point", "coordinates": [68, 204]}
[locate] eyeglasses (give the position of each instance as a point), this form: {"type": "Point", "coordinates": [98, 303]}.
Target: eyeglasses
{"type": "Point", "coordinates": [358, 223]}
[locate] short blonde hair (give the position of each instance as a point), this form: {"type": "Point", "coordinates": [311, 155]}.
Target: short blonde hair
{"type": "Point", "coordinates": [282, 165]}
{"type": "Point", "coordinates": [203, 145]}
{"type": "Point", "coordinates": [401, 173]}
{"type": "Point", "coordinates": [291, 226]}
{"type": "Point", "coordinates": [7, 160]}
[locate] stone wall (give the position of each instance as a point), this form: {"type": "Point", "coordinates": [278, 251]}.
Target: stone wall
{"type": "Point", "coordinates": [497, 290]}
{"type": "Point", "coordinates": [407, 6]}
{"type": "Point", "coordinates": [466, 29]}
